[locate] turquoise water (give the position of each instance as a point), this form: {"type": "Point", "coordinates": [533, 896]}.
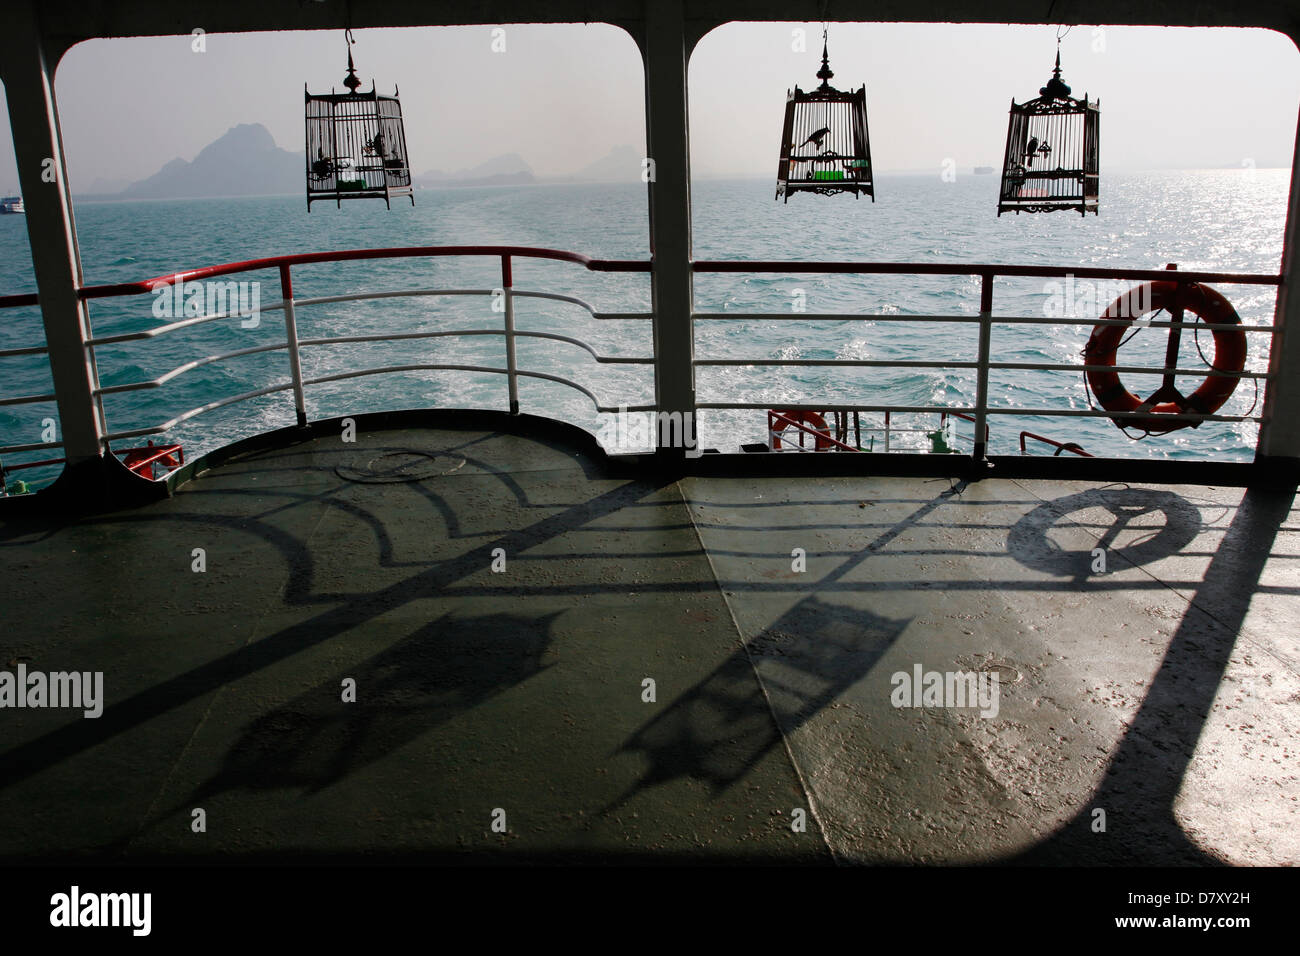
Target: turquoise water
{"type": "Point", "coordinates": [1222, 220]}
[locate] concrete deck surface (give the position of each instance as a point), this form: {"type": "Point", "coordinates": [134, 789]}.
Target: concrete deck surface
{"type": "Point", "coordinates": [1164, 691]}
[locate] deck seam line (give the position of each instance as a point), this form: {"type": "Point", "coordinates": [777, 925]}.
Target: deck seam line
{"type": "Point", "coordinates": [1241, 634]}
{"type": "Point", "coordinates": [207, 712]}
{"type": "Point", "coordinates": [762, 687]}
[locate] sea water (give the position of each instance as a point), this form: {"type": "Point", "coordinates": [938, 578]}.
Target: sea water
{"type": "Point", "coordinates": [1220, 220]}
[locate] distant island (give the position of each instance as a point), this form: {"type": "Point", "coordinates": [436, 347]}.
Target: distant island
{"type": "Point", "coordinates": [245, 161]}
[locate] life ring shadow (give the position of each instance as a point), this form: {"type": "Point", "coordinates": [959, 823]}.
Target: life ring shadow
{"type": "Point", "coordinates": [1028, 540]}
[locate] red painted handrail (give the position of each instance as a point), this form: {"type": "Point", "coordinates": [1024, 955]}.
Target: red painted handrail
{"type": "Point", "coordinates": [1071, 446]}
{"type": "Point", "coordinates": [985, 269]}
{"type": "Point", "coordinates": [638, 265]}
{"type": "Point", "coordinates": [344, 255]}
{"type": "Point", "coordinates": [964, 417]}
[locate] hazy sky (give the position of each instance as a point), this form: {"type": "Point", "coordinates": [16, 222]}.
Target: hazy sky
{"type": "Point", "coordinates": [562, 96]}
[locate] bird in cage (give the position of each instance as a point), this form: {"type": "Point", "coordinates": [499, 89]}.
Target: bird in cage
{"type": "Point", "coordinates": [816, 138]}
{"type": "Point", "coordinates": [359, 165]}
{"type": "Point", "coordinates": [1043, 176]}
{"type": "Point", "coordinates": [322, 168]}
{"type": "Point", "coordinates": [833, 158]}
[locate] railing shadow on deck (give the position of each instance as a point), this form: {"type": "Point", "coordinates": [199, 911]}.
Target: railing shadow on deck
{"type": "Point", "coordinates": [1141, 783]}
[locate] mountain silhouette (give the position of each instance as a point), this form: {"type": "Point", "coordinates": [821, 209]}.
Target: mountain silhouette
{"type": "Point", "coordinates": [504, 170]}
{"type": "Point", "coordinates": [622, 164]}
{"type": "Point", "coordinates": [243, 162]}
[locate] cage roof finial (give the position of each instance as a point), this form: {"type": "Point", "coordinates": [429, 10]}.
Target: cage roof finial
{"type": "Point", "coordinates": [825, 74]}
{"type": "Point", "coordinates": [1056, 88]}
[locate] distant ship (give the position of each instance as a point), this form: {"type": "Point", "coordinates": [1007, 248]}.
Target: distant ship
{"type": "Point", "coordinates": [983, 170]}
{"type": "Point", "coordinates": [11, 204]}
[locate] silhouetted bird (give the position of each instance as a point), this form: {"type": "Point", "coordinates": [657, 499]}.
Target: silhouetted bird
{"type": "Point", "coordinates": [816, 138]}
{"type": "Point", "coordinates": [322, 167]}
{"type": "Point", "coordinates": [1030, 150]}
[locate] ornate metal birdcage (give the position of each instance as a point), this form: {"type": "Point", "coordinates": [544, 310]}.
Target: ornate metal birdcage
{"type": "Point", "coordinates": [356, 144]}
{"type": "Point", "coordinates": [1051, 160]}
{"type": "Point", "coordinates": [824, 143]}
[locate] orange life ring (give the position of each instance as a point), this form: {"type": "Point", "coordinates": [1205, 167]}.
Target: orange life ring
{"type": "Point", "coordinates": [136, 458]}
{"type": "Point", "coordinates": [1229, 356]}
{"type": "Point", "coordinates": [813, 420]}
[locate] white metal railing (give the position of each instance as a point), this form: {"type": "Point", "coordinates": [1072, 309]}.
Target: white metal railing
{"type": "Point", "coordinates": [982, 363]}
{"type": "Point", "coordinates": [293, 345]}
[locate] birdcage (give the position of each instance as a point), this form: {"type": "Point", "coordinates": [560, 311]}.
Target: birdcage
{"type": "Point", "coordinates": [824, 144]}
{"type": "Point", "coordinates": [1051, 160]}
{"type": "Point", "coordinates": [356, 144]}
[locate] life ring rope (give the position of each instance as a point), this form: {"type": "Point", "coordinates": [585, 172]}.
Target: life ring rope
{"type": "Point", "coordinates": [1154, 414]}
{"type": "Point", "coordinates": [1196, 340]}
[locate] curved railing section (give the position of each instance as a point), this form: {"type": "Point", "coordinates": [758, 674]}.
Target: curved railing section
{"type": "Point", "coordinates": [292, 344]}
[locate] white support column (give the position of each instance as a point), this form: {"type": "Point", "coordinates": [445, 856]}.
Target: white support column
{"type": "Point", "coordinates": [672, 287]}
{"type": "Point", "coordinates": [1279, 433]}
{"type": "Point", "coordinates": [33, 117]}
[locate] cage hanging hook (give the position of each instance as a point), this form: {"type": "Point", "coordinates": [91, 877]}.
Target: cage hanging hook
{"type": "Point", "coordinates": [1060, 36]}
{"type": "Point", "coordinates": [1059, 87]}
{"type": "Point", "coordinates": [825, 74]}
{"type": "Point", "coordinates": [350, 81]}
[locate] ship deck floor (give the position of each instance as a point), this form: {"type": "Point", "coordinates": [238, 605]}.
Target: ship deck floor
{"type": "Point", "coordinates": [1164, 691]}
